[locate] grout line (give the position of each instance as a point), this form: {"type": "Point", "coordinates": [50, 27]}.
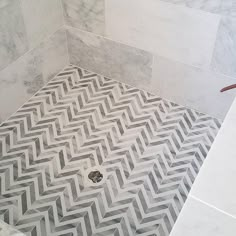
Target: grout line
{"type": "Point", "coordinates": [211, 206]}
{"type": "Point", "coordinates": [67, 46]}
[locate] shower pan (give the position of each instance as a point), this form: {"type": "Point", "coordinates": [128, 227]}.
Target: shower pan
{"type": "Point", "coordinates": [88, 155]}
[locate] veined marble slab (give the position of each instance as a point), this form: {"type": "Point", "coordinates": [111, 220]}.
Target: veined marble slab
{"type": "Point", "coordinates": [86, 15]}
{"type": "Point", "coordinates": [177, 32]}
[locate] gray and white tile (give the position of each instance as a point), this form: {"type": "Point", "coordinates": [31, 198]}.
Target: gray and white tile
{"type": "Point", "coordinates": [196, 219]}
{"type": "Point", "coordinates": [191, 86]}
{"type": "Point", "coordinates": [176, 32]}
{"type": "Point", "coordinates": [88, 15]}
{"type": "Point", "coordinates": [20, 80]}
{"type": "Point", "coordinates": [42, 18]}
{"type": "Point", "coordinates": [224, 57]}
{"type": "Point", "coordinates": [109, 58]}
{"type": "Point", "coordinates": [148, 151]}
{"type": "Point", "coordinates": [13, 39]}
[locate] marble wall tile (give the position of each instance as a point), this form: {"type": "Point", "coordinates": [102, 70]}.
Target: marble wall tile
{"type": "Point", "coordinates": [88, 15]}
{"type": "Point", "coordinates": [13, 40]}
{"type": "Point", "coordinates": [177, 32]}
{"type": "Point", "coordinates": [196, 219]}
{"type": "Point", "coordinates": [224, 57]}
{"type": "Point", "coordinates": [190, 86]}
{"type": "Point", "coordinates": [42, 18]}
{"type": "Point", "coordinates": [20, 80]}
{"type": "Point", "coordinates": [109, 58]}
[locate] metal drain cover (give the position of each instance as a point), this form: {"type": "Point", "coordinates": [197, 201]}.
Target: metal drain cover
{"type": "Point", "coordinates": [96, 176]}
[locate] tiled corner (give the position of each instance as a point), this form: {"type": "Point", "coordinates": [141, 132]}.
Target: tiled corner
{"type": "Point", "coordinates": [190, 86]}
{"type": "Point", "coordinates": [176, 32]}
{"type": "Point", "coordinates": [42, 18]}
{"type": "Point", "coordinates": [215, 184]}
{"type": "Point", "coordinates": [109, 58]}
{"type": "Point", "coordinates": [224, 57]}
{"type": "Point", "coordinates": [20, 80]}
{"type": "Point", "coordinates": [88, 15]}
{"type": "Point", "coordinates": [196, 219]}
{"type": "Point", "coordinates": [13, 39]}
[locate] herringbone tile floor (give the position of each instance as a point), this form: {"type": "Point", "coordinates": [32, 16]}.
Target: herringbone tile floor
{"type": "Point", "coordinates": [148, 152]}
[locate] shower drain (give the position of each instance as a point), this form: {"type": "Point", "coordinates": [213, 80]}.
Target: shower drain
{"type": "Point", "coordinates": [94, 176]}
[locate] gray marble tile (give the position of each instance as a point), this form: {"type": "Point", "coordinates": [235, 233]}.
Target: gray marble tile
{"type": "Point", "coordinates": [196, 219]}
{"type": "Point", "coordinates": [42, 18]}
{"type": "Point", "coordinates": [86, 15]}
{"type": "Point", "coordinates": [191, 86]}
{"type": "Point", "coordinates": [224, 57]}
{"type": "Point", "coordinates": [20, 80]}
{"type": "Point", "coordinates": [13, 41]}
{"type": "Point", "coordinates": [109, 58]}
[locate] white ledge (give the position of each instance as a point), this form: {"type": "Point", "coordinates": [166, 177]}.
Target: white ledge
{"type": "Point", "coordinates": [210, 209]}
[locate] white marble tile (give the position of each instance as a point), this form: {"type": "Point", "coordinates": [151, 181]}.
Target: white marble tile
{"type": "Point", "coordinates": [198, 219]}
{"type": "Point", "coordinates": [224, 57]}
{"type": "Point", "coordinates": [109, 58]}
{"type": "Point", "coordinates": [88, 15]}
{"type": "Point", "coordinates": [20, 80]}
{"type": "Point", "coordinates": [13, 41]}
{"type": "Point", "coordinates": [215, 183]}
{"type": "Point", "coordinates": [177, 32]}
{"type": "Point", "coordinates": [190, 86]}
{"type": "Point", "coordinates": [42, 18]}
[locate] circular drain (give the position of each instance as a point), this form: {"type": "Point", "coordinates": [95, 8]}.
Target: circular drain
{"type": "Point", "coordinates": [94, 176]}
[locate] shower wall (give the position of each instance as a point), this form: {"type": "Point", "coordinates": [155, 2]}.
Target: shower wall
{"type": "Point", "coordinates": [32, 49]}
{"type": "Point", "coordinates": [181, 50]}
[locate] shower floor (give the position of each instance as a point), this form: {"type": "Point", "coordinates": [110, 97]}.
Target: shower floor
{"type": "Point", "coordinates": [141, 152]}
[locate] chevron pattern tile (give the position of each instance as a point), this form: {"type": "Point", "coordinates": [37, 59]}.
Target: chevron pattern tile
{"type": "Point", "coordinates": [146, 151]}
